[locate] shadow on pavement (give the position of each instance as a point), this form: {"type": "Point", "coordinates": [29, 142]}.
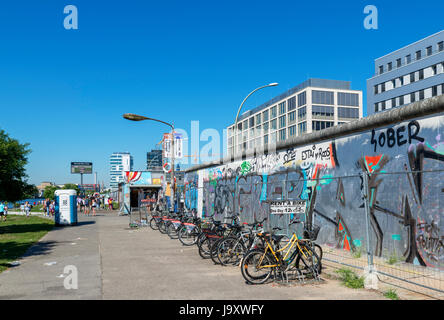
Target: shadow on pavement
{"type": "Point", "coordinates": [13, 250]}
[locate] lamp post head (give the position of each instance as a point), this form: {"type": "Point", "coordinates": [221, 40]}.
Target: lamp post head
{"type": "Point", "coordinates": [134, 117]}
{"type": "Point", "coordinates": [274, 84]}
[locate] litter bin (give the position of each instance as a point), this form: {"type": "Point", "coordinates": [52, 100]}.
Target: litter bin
{"type": "Point", "coordinates": [65, 207]}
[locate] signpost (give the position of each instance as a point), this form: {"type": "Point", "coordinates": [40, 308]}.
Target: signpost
{"type": "Point", "coordinates": [82, 168]}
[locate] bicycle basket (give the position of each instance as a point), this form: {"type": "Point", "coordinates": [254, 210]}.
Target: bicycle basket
{"type": "Point", "coordinates": [311, 232]}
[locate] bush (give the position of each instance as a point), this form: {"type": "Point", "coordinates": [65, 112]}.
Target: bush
{"type": "Point", "coordinates": [391, 294]}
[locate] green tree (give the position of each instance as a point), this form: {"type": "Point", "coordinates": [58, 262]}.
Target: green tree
{"type": "Point", "coordinates": [71, 186]}
{"type": "Point", "coordinates": [13, 159]}
{"type": "Point", "coordinates": [48, 193]}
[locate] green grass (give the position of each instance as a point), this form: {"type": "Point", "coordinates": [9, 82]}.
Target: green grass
{"type": "Point", "coordinates": [17, 234]}
{"type": "Point", "coordinates": [357, 253]}
{"type": "Point", "coordinates": [391, 294]}
{"type": "Point", "coordinates": [350, 279]}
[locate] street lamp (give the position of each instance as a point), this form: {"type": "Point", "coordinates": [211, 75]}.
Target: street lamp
{"type": "Point", "coordinates": [273, 84]}
{"type": "Point", "coordinates": [135, 117]}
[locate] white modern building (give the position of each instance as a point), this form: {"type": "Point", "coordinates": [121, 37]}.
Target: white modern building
{"type": "Point", "coordinates": [407, 75]}
{"type": "Point", "coordinates": [119, 163]}
{"type": "Point", "coordinates": [313, 105]}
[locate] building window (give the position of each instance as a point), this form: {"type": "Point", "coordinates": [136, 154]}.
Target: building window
{"type": "Point", "coordinates": [302, 112]}
{"type": "Point", "coordinates": [421, 74]}
{"type": "Point", "coordinates": [292, 116]}
{"type": "Point", "coordinates": [282, 108]}
{"type": "Point", "coordinates": [291, 103]}
{"type": "Point", "coordinates": [348, 99]}
{"type": "Point", "coordinates": [383, 87]}
{"type": "Point", "coordinates": [273, 124]}
{"type": "Point", "coordinates": [412, 97]}
{"type": "Point", "coordinates": [302, 127]}
{"type": "Point", "coordinates": [389, 66]}
{"type": "Point", "coordinates": [350, 113]}
{"type": "Point", "coordinates": [258, 118]}
{"type": "Point", "coordinates": [265, 115]}
{"type": "Point", "coordinates": [401, 100]}
{"type": "Point", "coordinates": [282, 122]}
{"type": "Point", "coordinates": [429, 51]}
{"type": "Point", "coordinates": [266, 139]}
{"type": "Point", "coordinates": [418, 55]}
{"type": "Point", "coordinates": [381, 69]}
{"type": "Point", "coordinates": [302, 99]}
{"type": "Point", "coordinates": [434, 91]}
{"type": "Point", "coordinates": [376, 89]}
{"type": "Point", "coordinates": [412, 77]}
{"type": "Point", "coordinates": [398, 63]}
{"type": "Point", "coordinates": [376, 107]}
{"type": "Point", "coordinates": [320, 125]}
{"type": "Point", "coordinates": [282, 135]}
{"type": "Point", "coordinates": [292, 131]}
{"type": "Point", "coordinates": [266, 126]}
{"type": "Point", "coordinates": [273, 112]}
{"type": "Point", "coordinates": [245, 126]}
{"type": "Point", "coordinates": [393, 102]}
{"type": "Point", "coordinates": [252, 122]}
{"type": "Point", "coordinates": [258, 131]}
{"type": "Point", "coordinates": [408, 59]}
{"type": "Point", "coordinates": [421, 95]}
{"type": "Point", "coordinates": [322, 111]}
{"type": "Point", "coordinates": [383, 105]}
{"type": "Point", "coordinates": [441, 46]}
{"type": "Point", "coordinates": [401, 80]}
{"type": "Point", "coordinates": [323, 97]}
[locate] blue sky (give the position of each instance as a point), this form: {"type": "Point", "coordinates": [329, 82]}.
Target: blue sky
{"type": "Point", "coordinates": [64, 91]}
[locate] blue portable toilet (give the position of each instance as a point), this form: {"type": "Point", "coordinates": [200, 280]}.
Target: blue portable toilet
{"type": "Point", "coordinates": [65, 207]}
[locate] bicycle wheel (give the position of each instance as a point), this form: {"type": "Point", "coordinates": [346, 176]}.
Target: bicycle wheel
{"type": "Point", "coordinates": [254, 267]}
{"type": "Point", "coordinates": [171, 231]}
{"type": "Point", "coordinates": [162, 226]}
{"type": "Point", "coordinates": [230, 251]}
{"type": "Point", "coordinates": [187, 237]}
{"type": "Point", "coordinates": [213, 250]}
{"type": "Point", "coordinates": [318, 250]}
{"type": "Point", "coordinates": [153, 224]}
{"type": "Point", "coordinates": [204, 248]}
{"type": "Point", "coordinates": [308, 262]}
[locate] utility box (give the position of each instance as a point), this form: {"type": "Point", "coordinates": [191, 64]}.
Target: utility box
{"type": "Point", "coordinates": [65, 207]}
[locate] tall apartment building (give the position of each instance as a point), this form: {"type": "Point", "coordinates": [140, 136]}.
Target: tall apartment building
{"type": "Point", "coordinates": [154, 160]}
{"type": "Point", "coordinates": [313, 105]}
{"type": "Point", "coordinates": [407, 75]}
{"type": "Point", "coordinates": [119, 163]}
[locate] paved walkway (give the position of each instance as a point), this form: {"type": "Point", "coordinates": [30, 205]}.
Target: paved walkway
{"type": "Point", "coordinates": [115, 262]}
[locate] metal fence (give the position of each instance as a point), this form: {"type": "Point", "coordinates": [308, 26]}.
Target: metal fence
{"type": "Point", "coordinates": [386, 225]}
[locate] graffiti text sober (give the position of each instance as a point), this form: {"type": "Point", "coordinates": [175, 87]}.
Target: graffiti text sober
{"type": "Point", "coordinates": [398, 137]}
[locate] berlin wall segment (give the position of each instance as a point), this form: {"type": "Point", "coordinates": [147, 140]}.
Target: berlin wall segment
{"type": "Point", "coordinates": [403, 163]}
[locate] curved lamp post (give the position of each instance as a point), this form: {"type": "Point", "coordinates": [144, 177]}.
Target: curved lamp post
{"type": "Point", "coordinates": [240, 107]}
{"type": "Point", "coordinates": [135, 117]}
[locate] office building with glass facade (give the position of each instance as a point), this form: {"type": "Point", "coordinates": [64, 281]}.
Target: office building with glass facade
{"type": "Point", "coordinates": [410, 74]}
{"type": "Point", "coordinates": [119, 163]}
{"type": "Point", "coordinates": [313, 105]}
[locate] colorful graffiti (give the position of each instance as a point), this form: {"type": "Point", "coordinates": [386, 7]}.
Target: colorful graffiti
{"type": "Point", "coordinates": [404, 164]}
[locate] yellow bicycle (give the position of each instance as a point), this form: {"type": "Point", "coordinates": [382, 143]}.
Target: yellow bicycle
{"type": "Point", "coordinates": [297, 255]}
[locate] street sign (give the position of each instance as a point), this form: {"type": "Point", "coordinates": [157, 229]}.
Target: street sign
{"type": "Point", "coordinates": [167, 145]}
{"type": "Point", "coordinates": [287, 207]}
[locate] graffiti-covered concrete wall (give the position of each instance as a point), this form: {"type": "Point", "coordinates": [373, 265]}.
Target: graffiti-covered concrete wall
{"type": "Point", "coordinates": [404, 161]}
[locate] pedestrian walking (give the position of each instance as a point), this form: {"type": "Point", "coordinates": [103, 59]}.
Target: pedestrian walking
{"type": "Point", "coordinates": [27, 209]}
{"type": "Point", "coordinates": [2, 211]}
{"type": "Point", "coordinates": [48, 203]}
{"type": "Point", "coordinates": [93, 205]}
{"type": "Point", "coordinates": [22, 208]}
{"type": "Point", "coordinates": [86, 209]}
{"type": "Point", "coordinates": [110, 203]}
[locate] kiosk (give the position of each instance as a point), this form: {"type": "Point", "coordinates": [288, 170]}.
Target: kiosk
{"type": "Point", "coordinates": [65, 207]}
